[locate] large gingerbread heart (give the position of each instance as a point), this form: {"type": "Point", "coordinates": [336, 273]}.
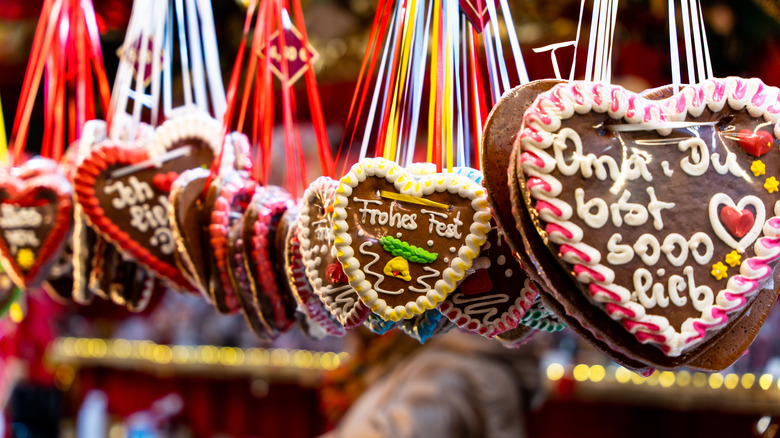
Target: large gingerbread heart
{"type": "Point", "coordinates": [405, 241]}
{"type": "Point", "coordinates": [35, 219]}
{"type": "Point", "coordinates": [315, 234]}
{"type": "Point", "coordinates": [124, 190]}
{"type": "Point", "coordinates": [664, 212]}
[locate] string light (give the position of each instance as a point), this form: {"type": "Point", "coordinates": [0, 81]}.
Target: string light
{"type": "Point", "coordinates": [69, 348]}
{"type": "Point", "coordinates": [666, 379]}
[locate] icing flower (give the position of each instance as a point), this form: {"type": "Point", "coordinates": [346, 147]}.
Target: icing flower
{"type": "Point", "coordinates": [25, 258]}
{"type": "Point", "coordinates": [733, 258]}
{"type": "Point", "coordinates": [719, 271]}
{"type": "Point", "coordinates": [771, 185]}
{"type": "Point", "coordinates": [758, 168]}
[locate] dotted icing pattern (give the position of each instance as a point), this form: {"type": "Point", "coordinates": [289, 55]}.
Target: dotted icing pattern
{"type": "Point", "coordinates": [544, 119]}
{"type": "Point", "coordinates": [418, 186]}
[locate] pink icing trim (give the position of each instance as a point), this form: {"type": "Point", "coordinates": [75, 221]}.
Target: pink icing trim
{"type": "Point", "coordinates": [682, 102]}
{"type": "Point", "coordinates": [615, 106]}
{"type": "Point", "coordinates": [759, 98]}
{"type": "Point", "coordinates": [543, 205]}
{"type": "Point", "coordinates": [595, 289]}
{"type": "Point", "coordinates": [597, 99]}
{"type": "Point", "coordinates": [719, 90]}
{"type": "Point", "coordinates": [631, 112]}
{"type": "Point", "coordinates": [566, 249]}
{"type": "Point", "coordinates": [580, 269]}
{"type": "Point", "coordinates": [534, 182]}
{"type": "Point", "coordinates": [554, 228]}
{"type": "Point", "coordinates": [630, 324]}
{"type": "Point", "coordinates": [740, 89]}
{"type": "Point", "coordinates": [612, 309]}
{"type": "Point", "coordinates": [527, 156]}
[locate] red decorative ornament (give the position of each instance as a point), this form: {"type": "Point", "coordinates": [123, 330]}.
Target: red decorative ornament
{"type": "Point", "coordinates": [755, 143]}
{"type": "Point", "coordinates": [737, 222]}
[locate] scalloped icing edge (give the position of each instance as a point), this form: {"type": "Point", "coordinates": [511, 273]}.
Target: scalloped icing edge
{"type": "Point", "coordinates": [357, 313]}
{"type": "Point", "coordinates": [544, 117]}
{"type": "Point", "coordinates": [408, 184]}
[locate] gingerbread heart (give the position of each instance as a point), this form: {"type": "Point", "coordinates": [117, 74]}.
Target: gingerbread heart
{"type": "Point", "coordinates": [35, 218]}
{"type": "Point", "coordinates": [405, 242]}
{"type": "Point", "coordinates": [261, 220]}
{"type": "Point", "coordinates": [308, 302]}
{"type": "Point", "coordinates": [315, 233]}
{"type": "Point", "coordinates": [226, 202]}
{"type": "Point", "coordinates": [114, 185]}
{"type": "Point", "coordinates": [497, 294]}
{"type": "Point", "coordinates": [628, 192]}
{"type": "Point", "coordinates": [187, 216]}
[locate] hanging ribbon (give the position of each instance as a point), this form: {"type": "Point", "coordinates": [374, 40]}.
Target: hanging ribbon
{"type": "Point", "coordinates": [65, 55]}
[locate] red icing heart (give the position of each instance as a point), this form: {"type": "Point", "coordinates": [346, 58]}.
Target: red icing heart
{"type": "Point", "coordinates": [756, 144]}
{"type": "Point", "coordinates": [737, 222]}
{"type": "Point", "coordinates": [477, 283]}
{"type": "Point", "coordinates": [29, 249]}
{"type": "Point", "coordinates": [335, 274]}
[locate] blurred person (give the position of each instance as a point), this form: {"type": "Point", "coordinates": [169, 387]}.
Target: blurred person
{"type": "Point", "coordinates": [456, 385]}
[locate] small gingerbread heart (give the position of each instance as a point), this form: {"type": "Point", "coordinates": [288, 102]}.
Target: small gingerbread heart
{"type": "Point", "coordinates": [35, 218]}
{"type": "Point", "coordinates": [406, 241]}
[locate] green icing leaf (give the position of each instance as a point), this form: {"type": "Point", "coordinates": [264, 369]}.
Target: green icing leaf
{"type": "Point", "coordinates": [409, 252]}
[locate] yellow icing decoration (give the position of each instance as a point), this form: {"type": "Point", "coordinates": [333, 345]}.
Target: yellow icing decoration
{"type": "Point", "coordinates": [758, 168]}
{"type": "Point", "coordinates": [398, 268]}
{"type": "Point", "coordinates": [719, 271]}
{"type": "Point", "coordinates": [25, 258]}
{"type": "Point", "coordinates": [771, 185]}
{"type": "Point", "coordinates": [412, 199]}
{"type": "Point", "coordinates": [733, 258]}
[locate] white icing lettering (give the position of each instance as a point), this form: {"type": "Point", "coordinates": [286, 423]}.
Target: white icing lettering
{"type": "Point", "coordinates": [594, 220]}
{"type": "Point", "coordinates": [655, 206]}
{"type": "Point", "coordinates": [645, 242]}
{"type": "Point", "coordinates": [19, 217]}
{"type": "Point", "coordinates": [699, 160]}
{"type": "Point", "coordinates": [729, 166]}
{"type": "Point", "coordinates": [618, 254]}
{"type": "Point", "coordinates": [392, 218]}
{"type": "Point", "coordinates": [443, 229]}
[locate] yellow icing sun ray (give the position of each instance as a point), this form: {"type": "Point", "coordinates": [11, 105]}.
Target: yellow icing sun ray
{"type": "Point", "coordinates": [413, 199]}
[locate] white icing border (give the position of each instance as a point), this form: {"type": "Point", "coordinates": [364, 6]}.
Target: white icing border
{"type": "Point", "coordinates": [418, 186]}
{"type": "Point", "coordinates": [327, 187]}
{"type": "Point", "coordinates": [543, 120]}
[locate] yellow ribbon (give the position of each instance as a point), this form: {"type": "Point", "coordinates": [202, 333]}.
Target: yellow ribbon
{"type": "Point", "coordinates": [391, 137]}
{"type": "Point", "coordinates": [413, 199]}
{"type": "Point", "coordinates": [434, 60]}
